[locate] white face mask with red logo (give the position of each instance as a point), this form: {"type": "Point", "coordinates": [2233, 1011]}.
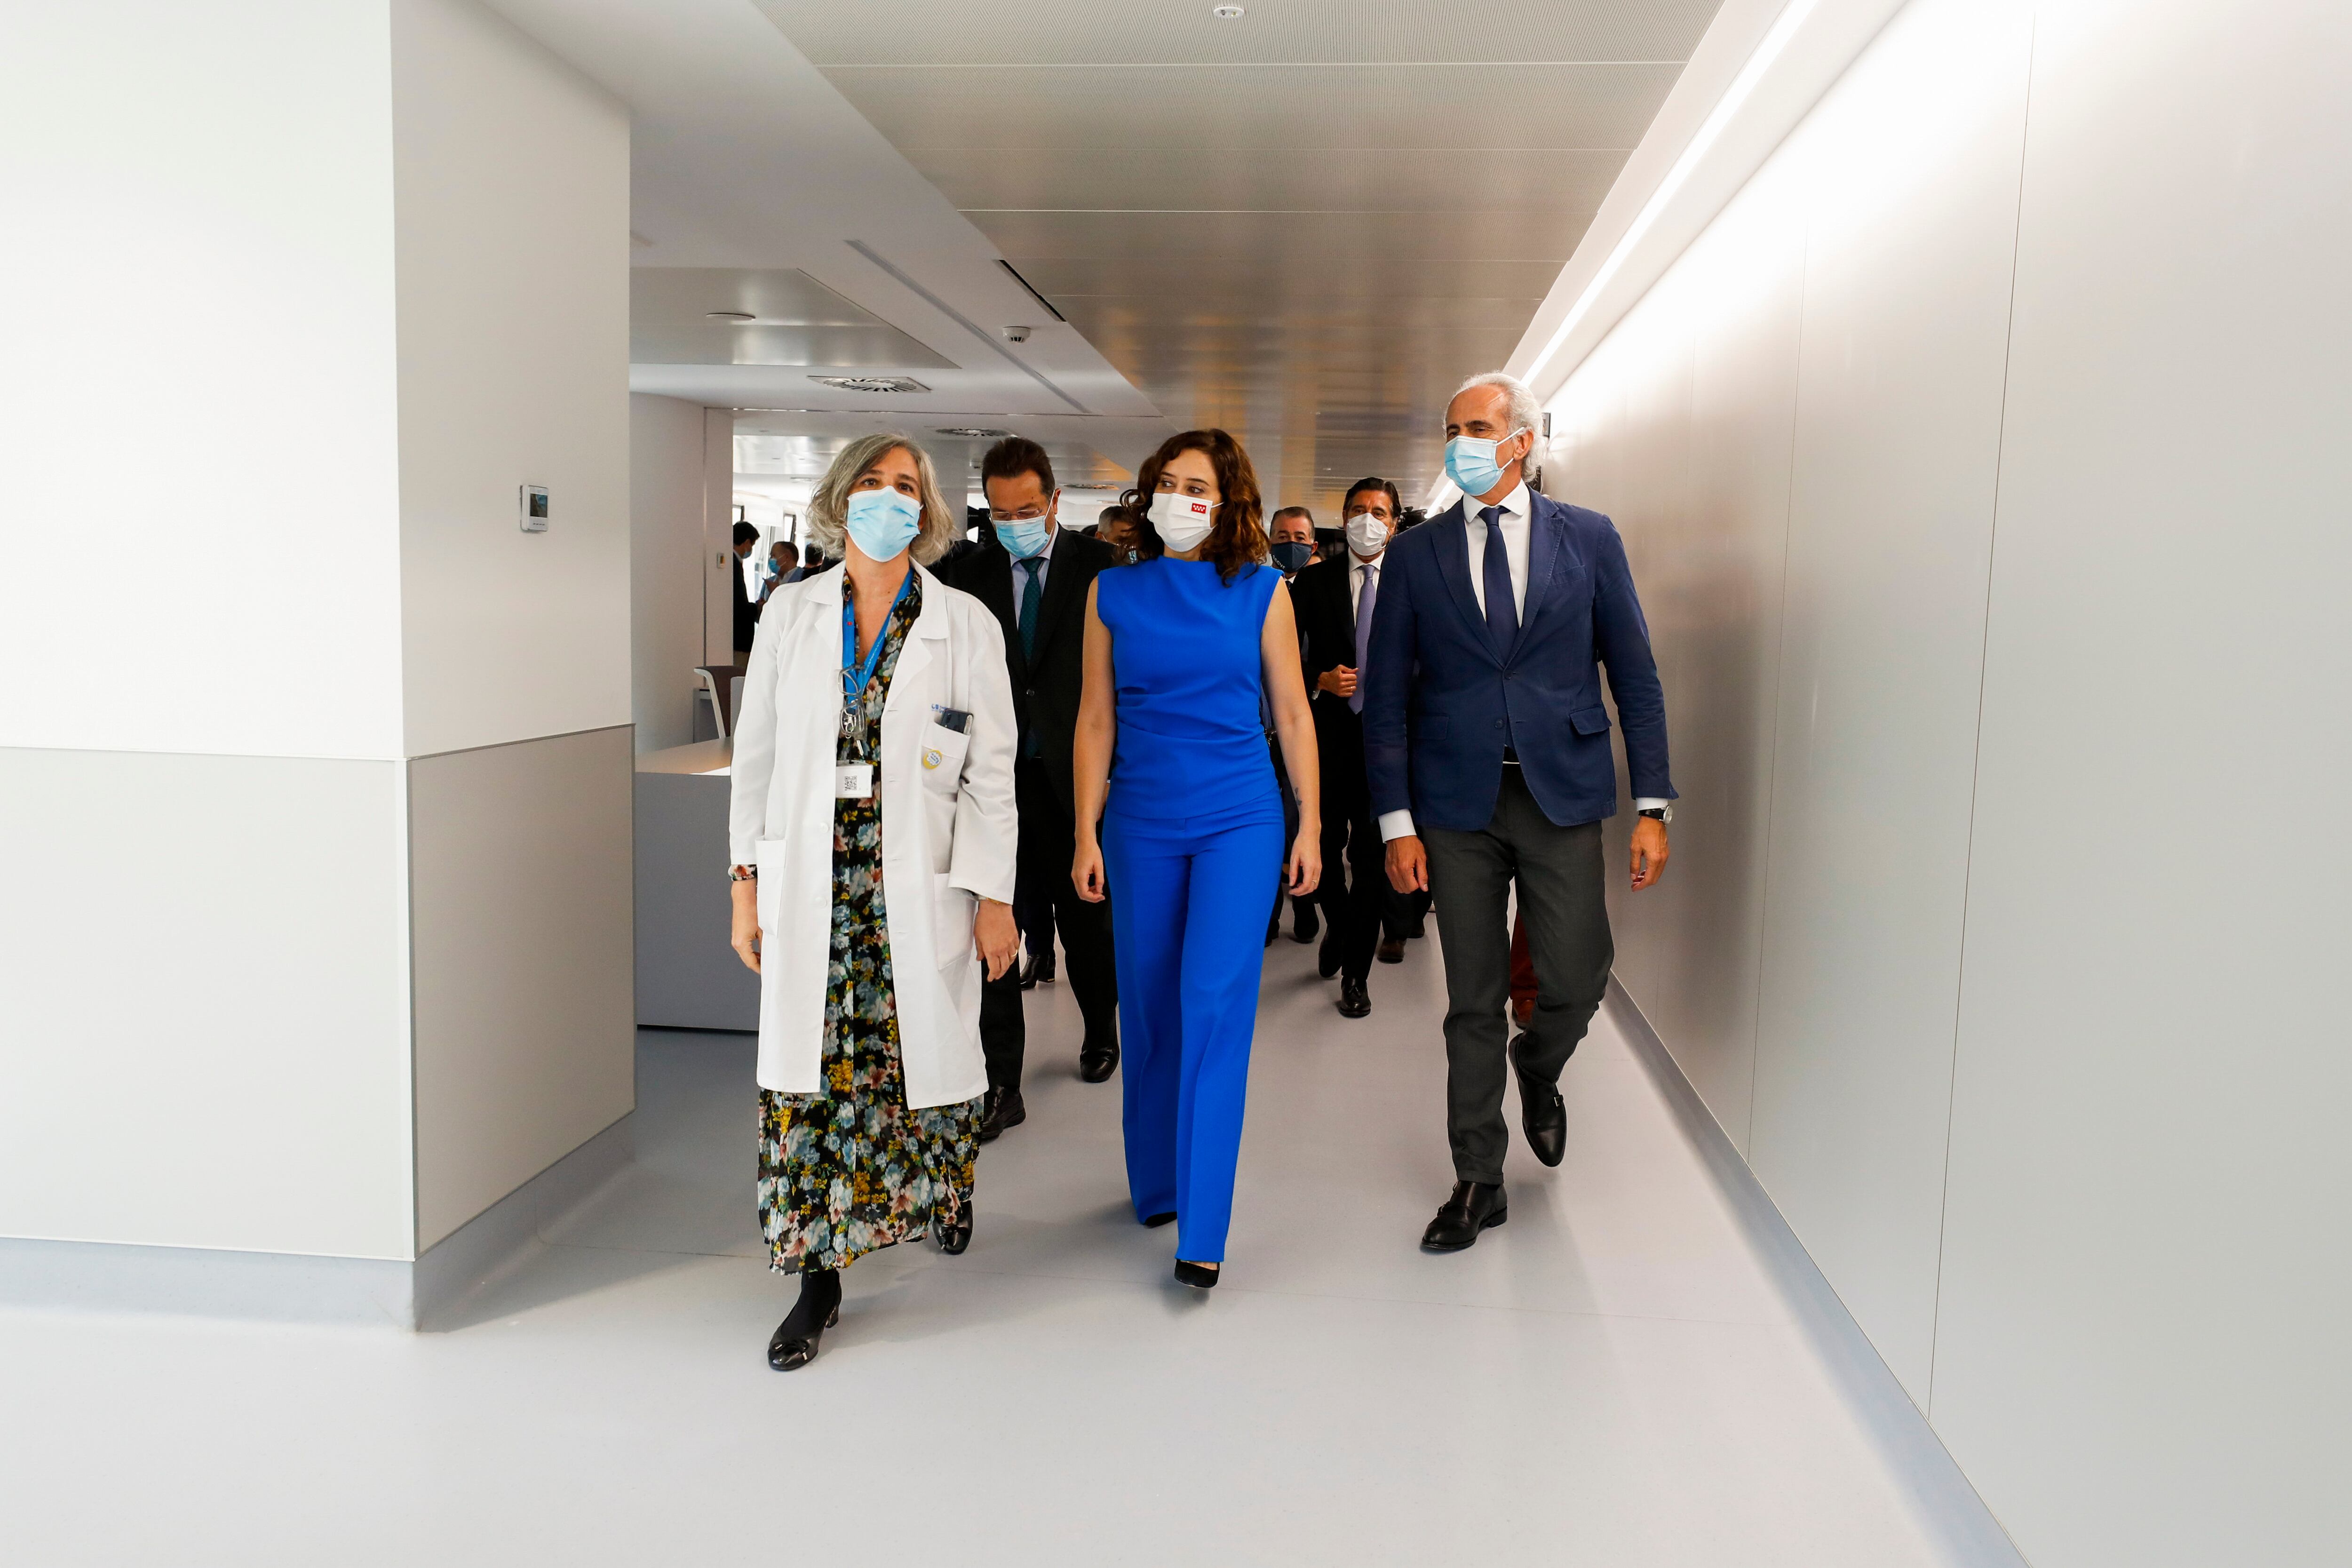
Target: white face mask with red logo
{"type": "Point", "coordinates": [1182, 520]}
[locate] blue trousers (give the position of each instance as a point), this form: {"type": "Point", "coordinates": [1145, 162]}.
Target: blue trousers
{"type": "Point", "coordinates": [1187, 917]}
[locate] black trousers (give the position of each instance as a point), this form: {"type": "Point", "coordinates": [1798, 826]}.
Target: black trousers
{"type": "Point", "coordinates": [1562, 892]}
{"type": "Point", "coordinates": [1042, 877]}
{"type": "Point", "coordinates": [1356, 896]}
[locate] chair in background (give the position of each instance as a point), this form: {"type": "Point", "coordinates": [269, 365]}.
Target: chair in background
{"type": "Point", "coordinates": [720, 685]}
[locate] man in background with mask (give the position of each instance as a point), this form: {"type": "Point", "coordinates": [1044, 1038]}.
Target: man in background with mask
{"type": "Point", "coordinates": [1337, 600]}
{"type": "Point", "coordinates": [1488, 744]}
{"type": "Point", "coordinates": [1292, 532]}
{"type": "Point", "coordinates": [1034, 575]}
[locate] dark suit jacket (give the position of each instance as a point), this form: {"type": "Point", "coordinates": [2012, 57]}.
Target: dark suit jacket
{"type": "Point", "coordinates": [1327, 629]}
{"type": "Point", "coordinates": [747, 614]}
{"type": "Point", "coordinates": [1443, 701]}
{"type": "Point", "coordinates": [1045, 693]}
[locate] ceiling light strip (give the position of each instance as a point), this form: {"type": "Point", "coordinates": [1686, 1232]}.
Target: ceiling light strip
{"type": "Point", "coordinates": [1032, 288]}
{"type": "Point", "coordinates": [1767, 51]}
{"type": "Point", "coordinates": [871, 255]}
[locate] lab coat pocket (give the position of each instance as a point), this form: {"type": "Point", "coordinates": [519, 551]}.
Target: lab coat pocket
{"type": "Point", "coordinates": [940, 752]}
{"type": "Point", "coordinates": [768, 860]}
{"type": "Point", "coordinates": [952, 913]}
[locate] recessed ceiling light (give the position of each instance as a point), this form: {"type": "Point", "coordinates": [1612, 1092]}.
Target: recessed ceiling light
{"type": "Point", "coordinates": [1226, 13]}
{"type": "Point", "coordinates": [730, 316]}
{"type": "Point", "coordinates": [972, 432]}
{"type": "Point", "coordinates": [870, 382]}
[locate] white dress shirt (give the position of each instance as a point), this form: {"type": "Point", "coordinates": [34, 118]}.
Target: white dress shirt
{"type": "Point", "coordinates": [1513, 526]}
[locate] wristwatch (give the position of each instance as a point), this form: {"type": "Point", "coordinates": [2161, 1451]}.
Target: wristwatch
{"type": "Point", "coordinates": [1661, 814]}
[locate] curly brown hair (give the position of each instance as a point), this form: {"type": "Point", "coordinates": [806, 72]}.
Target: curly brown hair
{"type": "Point", "coordinates": [1238, 540]}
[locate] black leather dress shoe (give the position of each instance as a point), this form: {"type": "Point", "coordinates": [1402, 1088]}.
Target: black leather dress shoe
{"type": "Point", "coordinates": [1097, 1060]}
{"type": "Point", "coordinates": [1304, 923]}
{"type": "Point", "coordinates": [1355, 998]}
{"type": "Point", "coordinates": [1045, 967]}
{"type": "Point", "coordinates": [1002, 1109]}
{"type": "Point", "coordinates": [1543, 1114]}
{"type": "Point", "coordinates": [1029, 975]}
{"type": "Point", "coordinates": [953, 1238]}
{"type": "Point", "coordinates": [1474, 1206]}
{"type": "Point", "coordinates": [1390, 950]}
{"type": "Point", "coordinates": [1326, 957]}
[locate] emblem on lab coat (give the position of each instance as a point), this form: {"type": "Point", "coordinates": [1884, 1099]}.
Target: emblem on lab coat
{"type": "Point", "coordinates": [932, 756]}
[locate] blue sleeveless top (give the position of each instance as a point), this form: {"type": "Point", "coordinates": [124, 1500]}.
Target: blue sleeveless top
{"type": "Point", "coordinates": [1186, 658]}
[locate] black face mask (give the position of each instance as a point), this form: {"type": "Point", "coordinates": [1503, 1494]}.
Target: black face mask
{"type": "Point", "coordinates": [1292, 554]}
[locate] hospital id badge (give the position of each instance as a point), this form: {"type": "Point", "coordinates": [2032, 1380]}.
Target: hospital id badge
{"type": "Point", "coordinates": [853, 781]}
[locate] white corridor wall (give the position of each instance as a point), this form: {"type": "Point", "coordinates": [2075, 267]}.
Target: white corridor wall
{"type": "Point", "coordinates": [1982, 468]}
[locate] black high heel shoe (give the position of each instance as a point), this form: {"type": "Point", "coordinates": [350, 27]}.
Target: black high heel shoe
{"type": "Point", "coordinates": [798, 1337]}
{"type": "Point", "coordinates": [1156, 1221]}
{"type": "Point", "coordinates": [1200, 1276]}
{"type": "Point", "coordinates": [953, 1239]}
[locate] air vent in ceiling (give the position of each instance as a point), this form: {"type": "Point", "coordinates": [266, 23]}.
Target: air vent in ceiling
{"type": "Point", "coordinates": [870, 382]}
{"type": "Point", "coordinates": [972, 432]}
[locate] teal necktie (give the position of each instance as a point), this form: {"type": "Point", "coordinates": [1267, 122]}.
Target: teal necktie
{"type": "Point", "coordinates": [1030, 593]}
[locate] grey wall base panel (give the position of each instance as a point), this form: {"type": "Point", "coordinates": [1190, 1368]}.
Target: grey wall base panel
{"type": "Point", "coordinates": [105, 1277]}
{"type": "Point", "coordinates": [687, 975]}
{"type": "Point", "coordinates": [1959, 1523]}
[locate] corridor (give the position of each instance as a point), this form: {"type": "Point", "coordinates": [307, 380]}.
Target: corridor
{"type": "Point", "coordinates": [1612, 1378]}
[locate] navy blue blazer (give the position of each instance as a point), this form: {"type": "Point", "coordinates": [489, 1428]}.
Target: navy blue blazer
{"type": "Point", "coordinates": [1441, 701]}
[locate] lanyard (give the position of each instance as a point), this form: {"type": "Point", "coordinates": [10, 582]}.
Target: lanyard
{"type": "Point", "coordinates": [854, 673]}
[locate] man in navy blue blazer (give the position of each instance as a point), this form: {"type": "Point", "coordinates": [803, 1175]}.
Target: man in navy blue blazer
{"type": "Point", "coordinates": [1488, 747]}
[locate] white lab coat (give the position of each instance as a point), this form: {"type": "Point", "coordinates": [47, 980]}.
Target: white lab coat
{"type": "Point", "coordinates": [949, 826]}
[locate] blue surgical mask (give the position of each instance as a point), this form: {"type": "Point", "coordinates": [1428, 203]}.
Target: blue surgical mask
{"type": "Point", "coordinates": [1292, 554]}
{"type": "Point", "coordinates": [1470, 463]}
{"type": "Point", "coordinates": [883, 522]}
{"type": "Point", "coordinates": [1023, 536]}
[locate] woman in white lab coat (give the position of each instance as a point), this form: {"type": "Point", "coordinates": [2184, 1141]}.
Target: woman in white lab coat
{"type": "Point", "coordinates": [872, 832]}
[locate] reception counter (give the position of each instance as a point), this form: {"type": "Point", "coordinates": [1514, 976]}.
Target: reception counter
{"type": "Point", "coordinates": [687, 977]}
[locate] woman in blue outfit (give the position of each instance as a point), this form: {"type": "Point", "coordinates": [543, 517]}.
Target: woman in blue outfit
{"type": "Point", "coordinates": [1187, 652]}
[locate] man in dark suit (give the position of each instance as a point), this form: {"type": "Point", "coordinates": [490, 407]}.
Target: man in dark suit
{"type": "Point", "coordinates": [1033, 574]}
{"type": "Point", "coordinates": [747, 609]}
{"type": "Point", "coordinates": [1337, 601]}
{"type": "Point", "coordinates": [1488, 750]}
{"type": "Point", "coordinates": [1291, 533]}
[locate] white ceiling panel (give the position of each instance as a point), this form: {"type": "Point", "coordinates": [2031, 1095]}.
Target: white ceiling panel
{"type": "Point", "coordinates": [1307, 224]}
{"type": "Point", "coordinates": [1287, 32]}
{"type": "Point", "coordinates": [1601, 106]}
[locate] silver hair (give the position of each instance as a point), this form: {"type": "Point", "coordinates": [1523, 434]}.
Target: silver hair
{"type": "Point", "coordinates": [829, 509]}
{"type": "Point", "coordinates": [1525, 415]}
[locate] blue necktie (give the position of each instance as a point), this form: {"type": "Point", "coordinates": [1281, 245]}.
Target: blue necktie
{"type": "Point", "coordinates": [1502, 616]}
{"type": "Point", "coordinates": [1364, 601]}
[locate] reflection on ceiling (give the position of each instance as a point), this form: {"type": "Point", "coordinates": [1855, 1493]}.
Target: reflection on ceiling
{"type": "Point", "coordinates": [726, 315]}
{"type": "Point", "coordinates": [1307, 224]}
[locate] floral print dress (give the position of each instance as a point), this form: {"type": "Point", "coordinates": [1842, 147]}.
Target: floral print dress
{"type": "Point", "coordinates": [851, 1169]}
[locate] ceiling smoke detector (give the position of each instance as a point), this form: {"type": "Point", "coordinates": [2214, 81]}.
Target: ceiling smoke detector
{"type": "Point", "coordinates": [970, 432]}
{"type": "Point", "coordinates": [870, 382]}
{"type": "Point", "coordinates": [1226, 13]}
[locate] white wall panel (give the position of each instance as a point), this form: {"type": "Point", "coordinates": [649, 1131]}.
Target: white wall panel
{"type": "Point", "coordinates": [198, 502]}
{"type": "Point", "coordinates": [1911, 168]}
{"type": "Point", "coordinates": [666, 565]}
{"type": "Point", "coordinates": [203, 1002]}
{"type": "Point", "coordinates": [512, 180]}
{"type": "Point", "coordinates": [526, 1022]}
{"type": "Point", "coordinates": [1706, 527]}
{"type": "Point", "coordinates": [2142, 1356]}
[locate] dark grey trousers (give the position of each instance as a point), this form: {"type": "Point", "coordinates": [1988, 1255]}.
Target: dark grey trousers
{"type": "Point", "coordinates": [1561, 897]}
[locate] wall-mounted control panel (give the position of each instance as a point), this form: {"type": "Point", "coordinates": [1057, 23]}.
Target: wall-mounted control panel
{"type": "Point", "coordinates": [534, 508]}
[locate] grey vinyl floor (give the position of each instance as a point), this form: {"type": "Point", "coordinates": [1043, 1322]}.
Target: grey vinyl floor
{"type": "Point", "coordinates": [1609, 1379]}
